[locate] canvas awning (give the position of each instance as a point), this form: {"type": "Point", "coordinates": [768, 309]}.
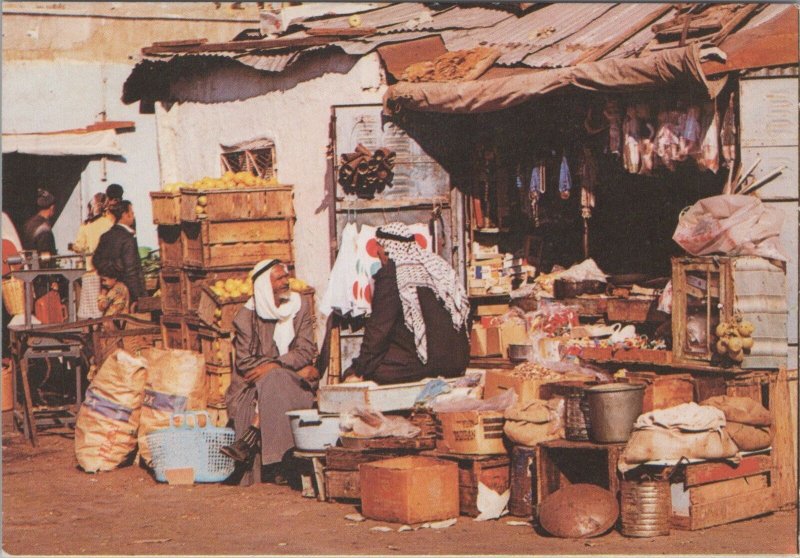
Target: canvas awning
{"type": "Point", "coordinates": [614, 75]}
{"type": "Point", "coordinates": [73, 142]}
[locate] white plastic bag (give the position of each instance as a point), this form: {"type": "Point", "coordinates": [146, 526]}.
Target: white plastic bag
{"type": "Point", "coordinates": [733, 225]}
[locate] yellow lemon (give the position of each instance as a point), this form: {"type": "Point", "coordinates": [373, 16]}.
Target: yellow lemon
{"type": "Point", "coordinates": [199, 209]}
{"type": "Point", "coordinates": [202, 200]}
{"type": "Point", "coordinates": [229, 284]}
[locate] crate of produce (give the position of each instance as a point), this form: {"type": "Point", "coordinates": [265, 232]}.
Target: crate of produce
{"type": "Point", "coordinates": [470, 432]}
{"type": "Point", "coordinates": [220, 311]}
{"type": "Point", "coordinates": [166, 207]}
{"type": "Point", "coordinates": [236, 243]}
{"type": "Point", "coordinates": [231, 204]}
{"type": "Point", "coordinates": [193, 281]}
{"type": "Point", "coordinates": [169, 245]}
{"type": "Point", "coordinates": [170, 284]}
{"type": "Point", "coordinates": [219, 379]}
{"type": "Point", "coordinates": [490, 470]}
{"type": "Point", "coordinates": [217, 348]}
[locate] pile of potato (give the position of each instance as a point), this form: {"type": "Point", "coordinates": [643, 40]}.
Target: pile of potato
{"type": "Point", "coordinates": [734, 339]}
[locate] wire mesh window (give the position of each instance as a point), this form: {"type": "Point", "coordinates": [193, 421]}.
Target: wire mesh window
{"type": "Point", "coordinates": [258, 160]}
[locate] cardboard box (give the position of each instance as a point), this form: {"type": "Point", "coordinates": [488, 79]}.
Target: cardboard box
{"type": "Point", "coordinates": [409, 490]}
{"type": "Point", "coordinates": [512, 333]}
{"type": "Point", "coordinates": [491, 309]}
{"type": "Point", "coordinates": [484, 341]}
{"type": "Point", "coordinates": [470, 432]}
{"type": "Point", "coordinates": [499, 380]}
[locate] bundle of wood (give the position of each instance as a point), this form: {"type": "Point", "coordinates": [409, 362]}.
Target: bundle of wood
{"type": "Point", "coordinates": [460, 65]}
{"type": "Point", "coordinates": [365, 172]}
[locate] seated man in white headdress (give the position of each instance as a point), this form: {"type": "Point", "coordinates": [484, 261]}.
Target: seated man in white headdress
{"type": "Point", "coordinates": [418, 326]}
{"type": "Point", "coordinates": [273, 371]}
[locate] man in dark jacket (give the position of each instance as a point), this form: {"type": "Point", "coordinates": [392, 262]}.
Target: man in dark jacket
{"type": "Point", "coordinates": [119, 245]}
{"type": "Point", "coordinates": [37, 233]}
{"type": "Point", "coordinates": [418, 325]}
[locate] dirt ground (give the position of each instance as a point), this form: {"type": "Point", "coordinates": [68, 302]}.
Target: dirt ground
{"type": "Point", "coordinates": [52, 507]}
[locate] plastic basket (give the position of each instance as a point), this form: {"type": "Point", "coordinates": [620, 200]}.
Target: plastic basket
{"type": "Point", "coordinates": [191, 440]}
{"type": "Point", "coordinates": [14, 295]}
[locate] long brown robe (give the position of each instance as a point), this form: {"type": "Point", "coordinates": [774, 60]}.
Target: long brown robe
{"type": "Point", "coordinates": [281, 390]}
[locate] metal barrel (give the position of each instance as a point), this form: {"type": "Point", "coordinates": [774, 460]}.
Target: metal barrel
{"type": "Point", "coordinates": [646, 508]}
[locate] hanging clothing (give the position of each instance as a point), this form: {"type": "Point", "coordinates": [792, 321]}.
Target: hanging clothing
{"type": "Point", "coordinates": [536, 190]}
{"type": "Point", "coordinates": [710, 146]}
{"type": "Point", "coordinates": [564, 179]}
{"type": "Point", "coordinates": [337, 295]}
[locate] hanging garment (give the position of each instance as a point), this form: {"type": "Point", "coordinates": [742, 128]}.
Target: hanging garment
{"type": "Point", "coordinates": [564, 179]}
{"type": "Point", "coordinates": [728, 134]}
{"type": "Point", "coordinates": [710, 147]}
{"type": "Point", "coordinates": [536, 190]}
{"type": "Point", "coordinates": [337, 294]}
{"type": "Point", "coordinates": [611, 112]}
{"type": "Point", "coordinates": [666, 143]}
{"type": "Point", "coordinates": [631, 159]}
{"type": "Point", "coordinates": [647, 149]}
{"type": "Point", "coordinates": [690, 132]}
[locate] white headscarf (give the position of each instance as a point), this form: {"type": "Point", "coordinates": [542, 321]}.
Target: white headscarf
{"type": "Point", "coordinates": [419, 268]}
{"type": "Point", "coordinates": [263, 302]}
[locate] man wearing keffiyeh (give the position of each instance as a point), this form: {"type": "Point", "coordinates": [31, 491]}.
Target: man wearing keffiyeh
{"type": "Point", "coordinates": [418, 326]}
{"type": "Point", "coordinates": [273, 372]}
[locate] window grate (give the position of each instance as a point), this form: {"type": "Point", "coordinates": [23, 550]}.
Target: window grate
{"type": "Point", "coordinates": [260, 162]}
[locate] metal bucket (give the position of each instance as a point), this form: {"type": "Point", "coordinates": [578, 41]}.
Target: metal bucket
{"type": "Point", "coordinates": [613, 408]}
{"type": "Point", "coordinates": [646, 508]}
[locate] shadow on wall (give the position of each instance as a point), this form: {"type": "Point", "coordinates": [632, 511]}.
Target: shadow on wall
{"type": "Point", "coordinates": [217, 79]}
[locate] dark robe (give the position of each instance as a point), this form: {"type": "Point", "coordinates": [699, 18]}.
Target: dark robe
{"type": "Point", "coordinates": [117, 244]}
{"type": "Point", "coordinates": [281, 390]}
{"type": "Point", "coordinates": [388, 352]}
{"type": "Point", "coordinates": [37, 234]}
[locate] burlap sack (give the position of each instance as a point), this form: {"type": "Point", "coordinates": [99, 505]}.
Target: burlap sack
{"type": "Point", "coordinates": [747, 437]}
{"type": "Point", "coordinates": [176, 382]}
{"type": "Point", "coordinates": [531, 422]}
{"type": "Point", "coordinates": [740, 409]}
{"type": "Point", "coordinates": [105, 430]}
{"type": "Point", "coordinates": [658, 444]}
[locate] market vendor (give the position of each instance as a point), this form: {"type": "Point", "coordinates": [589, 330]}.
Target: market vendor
{"type": "Point", "coordinates": [273, 372]}
{"type": "Point", "coordinates": [418, 326]}
{"type": "Point", "coordinates": [118, 244]}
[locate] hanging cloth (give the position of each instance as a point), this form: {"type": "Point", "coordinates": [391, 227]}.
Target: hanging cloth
{"type": "Point", "coordinates": [337, 295]}
{"type": "Point", "coordinates": [536, 190]}
{"type": "Point", "coordinates": [564, 179]}
{"type": "Point", "coordinates": [710, 146]}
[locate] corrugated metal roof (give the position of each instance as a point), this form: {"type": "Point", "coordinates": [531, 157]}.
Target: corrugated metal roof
{"type": "Point", "coordinates": [393, 14]}
{"type": "Point", "coordinates": [458, 17]}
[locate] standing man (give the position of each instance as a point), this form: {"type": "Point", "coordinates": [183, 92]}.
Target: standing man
{"type": "Point", "coordinates": [37, 233]}
{"type": "Point", "coordinates": [418, 326]}
{"type": "Point", "coordinates": [273, 371]}
{"type": "Point", "coordinates": [118, 245]}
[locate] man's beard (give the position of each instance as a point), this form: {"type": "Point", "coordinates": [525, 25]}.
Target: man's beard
{"type": "Point", "coordinates": [283, 297]}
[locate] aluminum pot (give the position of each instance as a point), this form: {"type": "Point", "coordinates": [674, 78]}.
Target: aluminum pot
{"type": "Point", "coordinates": [613, 408]}
{"type": "Point", "coordinates": [313, 431]}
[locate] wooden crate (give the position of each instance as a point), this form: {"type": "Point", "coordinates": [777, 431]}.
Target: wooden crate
{"type": "Point", "coordinates": [194, 331]}
{"type": "Point", "coordinates": [236, 243]}
{"type": "Point", "coordinates": [173, 333]}
{"type": "Point", "coordinates": [193, 281]}
{"type": "Point", "coordinates": [345, 459]}
{"type": "Point", "coordinates": [170, 245]}
{"type": "Point", "coordinates": [166, 208]}
{"type": "Point", "coordinates": [491, 470]}
{"type": "Point", "coordinates": [342, 485]}
{"type": "Point", "coordinates": [523, 467]}
{"type": "Point", "coordinates": [219, 312]}
{"type": "Point", "coordinates": [238, 204]}
{"type": "Point", "coordinates": [663, 390]}
{"type": "Point", "coordinates": [715, 493]}
{"type": "Point", "coordinates": [563, 462]}
{"type": "Point", "coordinates": [634, 310]}
{"type": "Point", "coordinates": [170, 285]}
{"type": "Point", "coordinates": [219, 379]}
{"type": "Point", "coordinates": [217, 349]}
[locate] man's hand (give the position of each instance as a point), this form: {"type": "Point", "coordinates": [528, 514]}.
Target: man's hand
{"type": "Point", "coordinates": [260, 371]}
{"type": "Point", "coordinates": [309, 373]}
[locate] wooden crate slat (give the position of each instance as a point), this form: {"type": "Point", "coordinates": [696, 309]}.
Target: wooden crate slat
{"type": "Point", "coordinates": [712, 492]}
{"type": "Point", "coordinates": [238, 204]}
{"type": "Point", "coordinates": [221, 355]}
{"type": "Point", "coordinates": [166, 208]}
{"type": "Point", "coordinates": [702, 473]}
{"type": "Point", "coordinates": [726, 510]}
{"type": "Point", "coordinates": [344, 485]}
{"type": "Point", "coordinates": [170, 285]}
{"type": "Point", "coordinates": [170, 245]}
{"type": "Point", "coordinates": [219, 379]}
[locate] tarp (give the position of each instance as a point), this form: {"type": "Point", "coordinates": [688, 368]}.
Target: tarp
{"type": "Point", "coordinates": [628, 74]}
{"type": "Point", "coordinates": [102, 142]}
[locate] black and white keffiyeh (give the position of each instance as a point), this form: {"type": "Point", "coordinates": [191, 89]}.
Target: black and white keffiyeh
{"type": "Point", "coordinates": [419, 268]}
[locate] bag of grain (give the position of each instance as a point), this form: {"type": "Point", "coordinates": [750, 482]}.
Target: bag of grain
{"type": "Point", "coordinates": [176, 382]}
{"type": "Point", "coordinates": [105, 430]}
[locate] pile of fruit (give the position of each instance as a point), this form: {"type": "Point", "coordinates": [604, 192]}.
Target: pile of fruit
{"type": "Point", "coordinates": [228, 181]}
{"type": "Point", "coordinates": [232, 288]}
{"type": "Point", "coordinates": [734, 339]}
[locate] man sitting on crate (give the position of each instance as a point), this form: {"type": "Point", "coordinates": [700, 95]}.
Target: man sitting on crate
{"type": "Point", "coordinates": [273, 372]}
{"type": "Point", "coordinates": [418, 326]}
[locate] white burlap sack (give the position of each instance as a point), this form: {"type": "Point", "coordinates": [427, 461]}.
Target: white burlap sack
{"type": "Point", "coordinates": [105, 430]}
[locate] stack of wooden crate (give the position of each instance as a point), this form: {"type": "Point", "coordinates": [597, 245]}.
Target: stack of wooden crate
{"type": "Point", "coordinates": [206, 236]}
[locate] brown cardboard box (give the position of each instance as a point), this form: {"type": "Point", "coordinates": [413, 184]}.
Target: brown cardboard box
{"type": "Point", "coordinates": [491, 309]}
{"type": "Point", "coordinates": [470, 432]}
{"type": "Point", "coordinates": [512, 333]}
{"type": "Point", "coordinates": [484, 341]}
{"type": "Point", "coordinates": [499, 380]}
{"type": "Point", "coordinates": [409, 490]}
